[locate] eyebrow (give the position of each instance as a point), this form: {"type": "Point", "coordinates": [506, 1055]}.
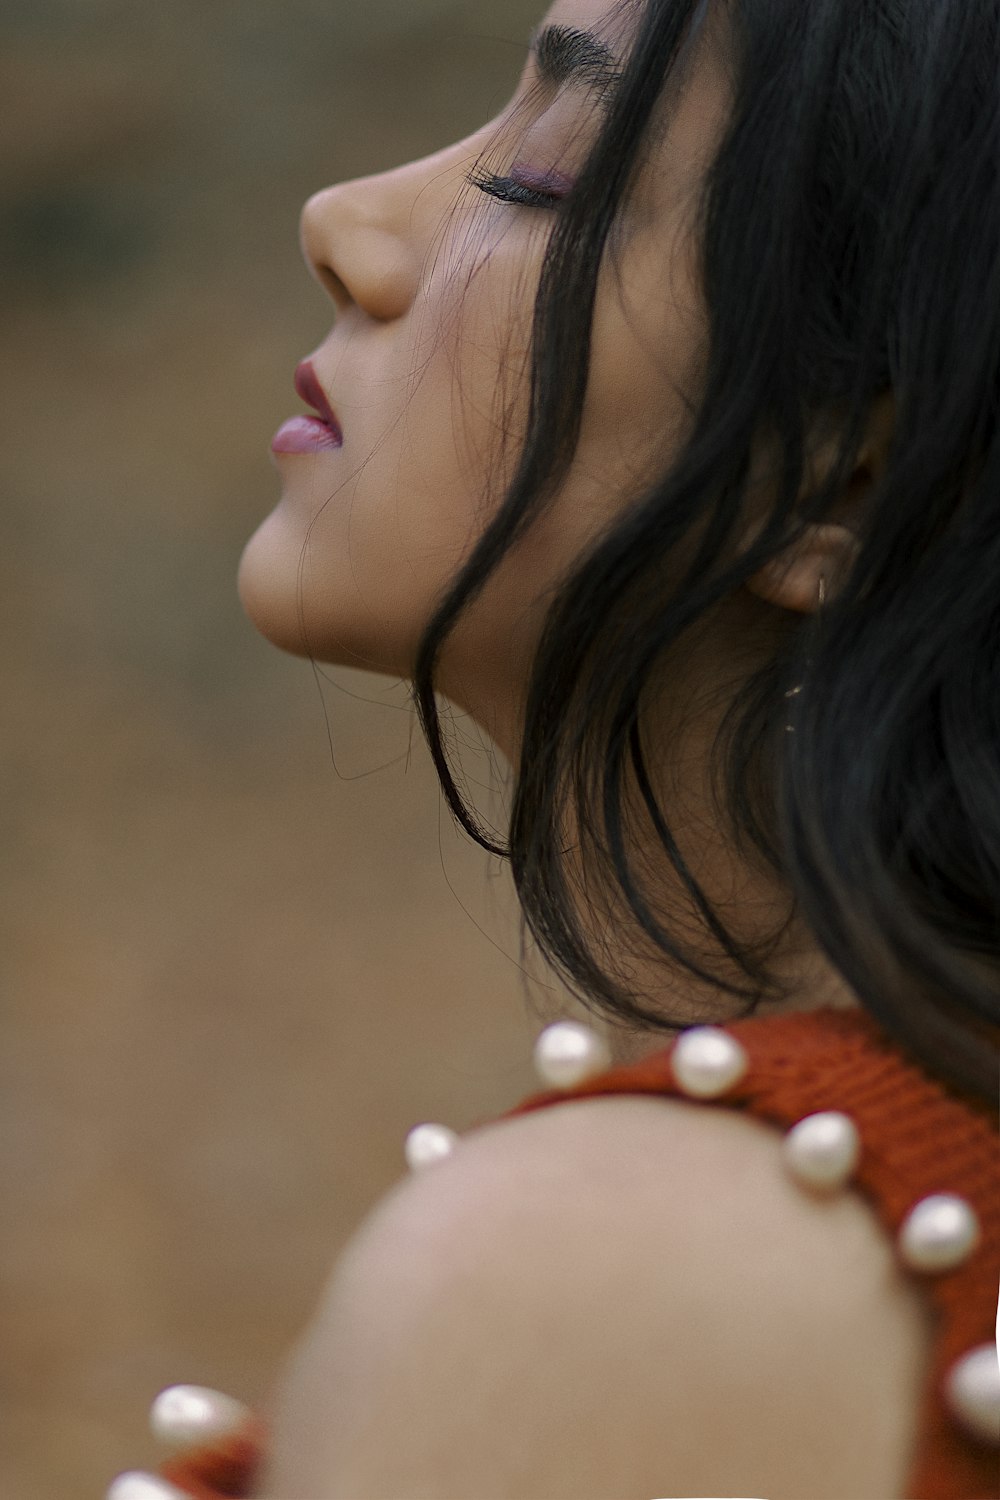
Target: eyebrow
{"type": "Point", "coordinates": [567, 57]}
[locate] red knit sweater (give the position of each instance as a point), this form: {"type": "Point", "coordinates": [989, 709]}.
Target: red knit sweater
{"type": "Point", "coordinates": [918, 1136]}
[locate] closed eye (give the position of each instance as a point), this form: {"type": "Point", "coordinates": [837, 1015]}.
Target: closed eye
{"type": "Point", "coordinates": [510, 190]}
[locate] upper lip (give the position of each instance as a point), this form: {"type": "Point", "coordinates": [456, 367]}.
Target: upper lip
{"type": "Point", "coordinates": [312, 393]}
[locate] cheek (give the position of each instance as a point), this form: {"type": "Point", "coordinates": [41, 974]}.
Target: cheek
{"type": "Point", "coordinates": [462, 429]}
{"type": "Point", "coordinates": [436, 476]}
{"type": "Point", "coordinates": [648, 334]}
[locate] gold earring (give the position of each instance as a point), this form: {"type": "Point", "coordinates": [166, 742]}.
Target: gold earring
{"type": "Point", "coordinates": [793, 692]}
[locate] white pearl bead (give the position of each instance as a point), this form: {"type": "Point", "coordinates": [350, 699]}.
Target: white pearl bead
{"type": "Point", "coordinates": [137, 1486]}
{"type": "Point", "coordinates": [972, 1390]}
{"type": "Point", "coordinates": [706, 1061]}
{"type": "Point", "coordinates": [822, 1150]}
{"type": "Point", "coordinates": [427, 1144]}
{"type": "Point", "coordinates": [185, 1414]}
{"type": "Point", "coordinates": [939, 1233]}
{"type": "Point", "coordinates": [568, 1053]}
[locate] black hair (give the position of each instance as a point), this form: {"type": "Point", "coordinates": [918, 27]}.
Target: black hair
{"type": "Point", "coordinates": [849, 241]}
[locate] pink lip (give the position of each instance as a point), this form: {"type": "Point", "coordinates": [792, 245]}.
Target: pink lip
{"type": "Point", "coordinates": [309, 434]}
{"type": "Point", "coordinates": [305, 435]}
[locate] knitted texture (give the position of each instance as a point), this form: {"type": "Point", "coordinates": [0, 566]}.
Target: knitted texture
{"type": "Point", "coordinates": [918, 1136]}
{"type": "Point", "coordinates": [225, 1470]}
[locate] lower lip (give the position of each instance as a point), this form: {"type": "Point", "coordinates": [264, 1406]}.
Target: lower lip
{"type": "Point", "coordinates": [306, 435]}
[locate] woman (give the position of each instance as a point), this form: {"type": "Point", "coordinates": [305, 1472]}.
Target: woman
{"type": "Point", "coordinates": [658, 432]}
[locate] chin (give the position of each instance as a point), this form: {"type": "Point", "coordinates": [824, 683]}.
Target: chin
{"type": "Point", "coordinates": [266, 585]}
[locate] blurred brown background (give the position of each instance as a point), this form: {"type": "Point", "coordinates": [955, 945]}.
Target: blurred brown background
{"type": "Point", "coordinates": [237, 964]}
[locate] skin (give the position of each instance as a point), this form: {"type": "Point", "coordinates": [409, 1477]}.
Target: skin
{"type": "Point", "coordinates": [433, 287]}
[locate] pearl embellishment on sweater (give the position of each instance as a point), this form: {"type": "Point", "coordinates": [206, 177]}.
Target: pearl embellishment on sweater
{"type": "Point", "coordinates": [427, 1144]}
{"type": "Point", "coordinates": [186, 1414]}
{"type": "Point", "coordinates": [706, 1062]}
{"type": "Point", "coordinates": [972, 1390]}
{"type": "Point", "coordinates": [939, 1233]}
{"type": "Point", "coordinates": [137, 1486]}
{"type": "Point", "coordinates": [568, 1053]}
{"type": "Point", "coordinates": [181, 1416]}
{"type": "Point", "coordinates": [822, 1150]}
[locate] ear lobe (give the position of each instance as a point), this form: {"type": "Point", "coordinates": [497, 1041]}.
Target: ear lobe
{"type": "Point", "coordinates": [792, 580]}
{"type": "Point", "coordinates": [828, 550]}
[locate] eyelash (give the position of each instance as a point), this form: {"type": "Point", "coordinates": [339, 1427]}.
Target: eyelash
{"type": "Point", "coordinates": [509, 190]}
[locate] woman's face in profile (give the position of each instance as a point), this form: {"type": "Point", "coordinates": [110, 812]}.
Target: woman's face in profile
{"type": "Point", "coordinates": [426, 369]}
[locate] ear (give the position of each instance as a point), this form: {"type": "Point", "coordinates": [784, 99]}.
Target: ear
{"type": "Point", "coordinates": [792, 581]}
{"type": "Point", "coordinates": [827, 550]}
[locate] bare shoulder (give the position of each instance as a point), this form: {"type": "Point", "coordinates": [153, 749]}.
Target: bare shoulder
{"type": "Point", "coordinates": [620, 1295]}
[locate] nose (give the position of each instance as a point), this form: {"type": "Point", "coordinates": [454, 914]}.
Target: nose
{"type": "Point", "coordinates": [364, 243]}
